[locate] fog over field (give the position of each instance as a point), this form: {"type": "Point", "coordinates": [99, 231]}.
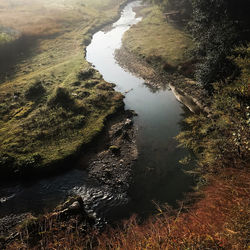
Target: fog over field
{"type": "Point", "coordinates": [44, 41]}
{"type": "Point", "coordinates": [39, 16]}
{"type": "Point", "coordinates": [23, 22]}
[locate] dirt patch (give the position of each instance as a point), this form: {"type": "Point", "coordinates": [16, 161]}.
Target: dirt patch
{"type": "Point", "coordinates": [109, 161]}
{"type": "Point", "coordinates": [192, 95]}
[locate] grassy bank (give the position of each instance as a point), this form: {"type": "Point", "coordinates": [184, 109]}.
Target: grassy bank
{"type": "Point", "coordinates": [158, 42]}
{"type": "Point", "coordinates": [52, 102]}
{"type": "Point", "coordinates": [220, 141]}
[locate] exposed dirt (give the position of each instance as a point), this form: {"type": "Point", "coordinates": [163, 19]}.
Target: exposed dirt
{"type": "Point", "coordinates": [110, 160]}
{"type": "Point", "coordinates": [140, 68]}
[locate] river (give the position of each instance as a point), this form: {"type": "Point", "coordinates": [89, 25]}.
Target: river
{"type": "Point", "coordinates": [157, 174]}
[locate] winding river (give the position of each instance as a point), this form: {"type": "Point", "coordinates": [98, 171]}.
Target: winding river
{"type": "Point", "coordinates": [157, 174]}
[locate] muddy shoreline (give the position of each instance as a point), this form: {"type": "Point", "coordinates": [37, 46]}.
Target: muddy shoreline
{"type": "Point", "coordinates": [57, 166]}
{"type": "Point", "coordinates": [186, 91]}
{"type": "Point", "coordinates": [108, 158]}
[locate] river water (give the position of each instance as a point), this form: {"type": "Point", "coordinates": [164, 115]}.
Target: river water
{"type": "Point", "coordinates": [157, 175]}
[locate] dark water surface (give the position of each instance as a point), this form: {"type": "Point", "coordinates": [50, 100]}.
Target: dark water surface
{"type": "Point", "coordinates": [157, 173]}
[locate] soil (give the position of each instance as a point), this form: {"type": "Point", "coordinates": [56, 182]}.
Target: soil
{"type": "Point", "coordinates": [140, 68]}
{"type": "Point", "coordinates": [109, 162]}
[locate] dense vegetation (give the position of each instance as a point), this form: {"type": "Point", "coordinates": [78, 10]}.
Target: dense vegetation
{"type": "Point", "coordinates": [217, 27]}
{"type": "Point", "coordinates": [219, 139]}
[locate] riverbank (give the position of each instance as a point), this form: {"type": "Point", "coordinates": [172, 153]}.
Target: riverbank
{"type": "Point", "coordinates": [161, 53]}
{"type": "Point", "coordinates": [216, 133]}
{"type": "Point", "coordinates": [110, 168]}
{"type": "Point", "coordinates": [52, 101]}
{"type": "Point", "coordinates": [108, 161]}
{"type": "Point", "coordinates": [219, 217]}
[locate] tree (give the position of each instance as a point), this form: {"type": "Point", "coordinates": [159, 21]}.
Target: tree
{"type": "Point", "coordinates": [217, 27]}
{"type": "Point", "coordinates": [184, 7]}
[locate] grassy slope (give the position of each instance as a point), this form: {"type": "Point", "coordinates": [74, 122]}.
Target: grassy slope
{"type": "Point", "coordinates": [33, 133]}
{"type": "Point", "coordinates": [156, 40]}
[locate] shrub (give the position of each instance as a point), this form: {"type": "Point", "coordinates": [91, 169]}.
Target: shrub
{"type": "Point", "coordinates": [61, 98]}
{"type": "Point", "coordinates": [91, 84]}
{"type": "Point", "coordinates": [79, 121]}
{"type": "Point", "coordinates": [86, 73]}
{"type": "Point", "coordinates": [35, 90]}
{"type": "Point", "coordinates": [105, 86]}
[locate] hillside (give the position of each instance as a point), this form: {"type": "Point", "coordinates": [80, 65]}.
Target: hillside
{"type": "Point", "coordinates": [52, 102]}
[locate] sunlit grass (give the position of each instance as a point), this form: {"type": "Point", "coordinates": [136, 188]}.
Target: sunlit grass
{"type": "Point", "coordinates": [34, 134]}
{"type": "Point", "coordinates": [156, 40]}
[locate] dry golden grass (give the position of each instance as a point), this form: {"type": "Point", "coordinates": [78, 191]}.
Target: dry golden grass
{"type": "Point", "coordinates": [218, 221]}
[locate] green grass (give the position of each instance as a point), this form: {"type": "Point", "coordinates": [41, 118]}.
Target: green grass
{"type": "Point", "coordinates": [156, 40]}
{"type": "Point", "coordinates": [48, 109]}
{"type": "Point", "coordinates": [5, 38]}
{"type": "Point", "coordinates": [222, 139]}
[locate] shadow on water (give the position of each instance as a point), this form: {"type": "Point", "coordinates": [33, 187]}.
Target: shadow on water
{"type": "Point", "coordinates": [12, 53]}
{"type": "Point", "coordinates": [159, 178]}
{"type": "Point", "coordinates": [157, 175]}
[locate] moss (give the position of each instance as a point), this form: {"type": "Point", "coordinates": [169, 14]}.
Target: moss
{"type": "Point", "coordinates": [61, 97]}
{"type": "Point", "coordinates": [114, 149]}
{"type": "Point", "coordinates": [46, 106]}
{"type": "Point", "coordinates": [85, 73]}
{"type": "Point", "coordinates": [5, 38]}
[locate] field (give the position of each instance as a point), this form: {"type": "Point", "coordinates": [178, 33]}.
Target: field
{"type": "Point", "coordinates": [159, 42]}
{"type": "Point", "coordinates": [69, 94]}
{"type": "Point", "coordinates": [52, 102]}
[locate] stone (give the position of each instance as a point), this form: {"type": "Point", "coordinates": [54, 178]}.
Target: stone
{"type": "Point", "coordinates": [128, 123]}
{"type": "Point", "coordinates": [115, 149]}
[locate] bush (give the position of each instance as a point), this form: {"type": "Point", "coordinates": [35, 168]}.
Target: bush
{"type": "Point", "coordinates": [35, 90]}
{"type": "Point", "coordinates": [61, 98]}
{"type": "Point", "coordinates": [86, 73]}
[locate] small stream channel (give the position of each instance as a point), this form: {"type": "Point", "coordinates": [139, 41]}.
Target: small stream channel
{"type": "Point", "coordinates": [157, 175]}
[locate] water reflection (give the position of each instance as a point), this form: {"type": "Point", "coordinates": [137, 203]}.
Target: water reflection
{"type": "Point", "coordinates": [158, 175]}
